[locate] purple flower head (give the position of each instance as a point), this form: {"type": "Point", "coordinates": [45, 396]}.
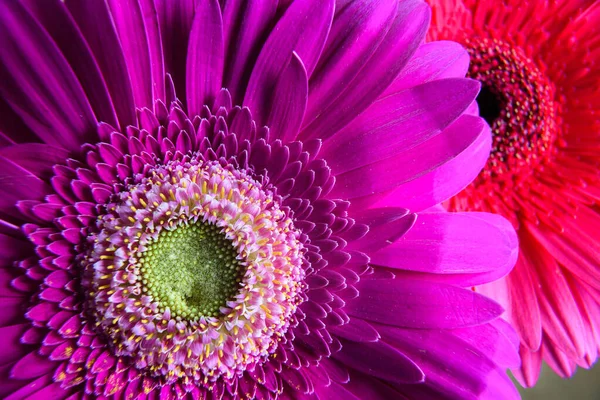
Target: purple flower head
{"type": "Point", "coordinates": [210, 200]}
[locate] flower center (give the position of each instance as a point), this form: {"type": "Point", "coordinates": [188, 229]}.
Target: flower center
{"type": "Point", "coordinates": [195, 272]}
{"type": "Point", "coordinates": [490, 105]}
{"type": "Point", "coordinates": [192, 269]}
{"type": "Point", "coordinates": [517, 100]}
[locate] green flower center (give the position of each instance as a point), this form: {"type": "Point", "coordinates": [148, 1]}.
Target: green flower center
{"type": "Point", "coordinates": [192, 269]}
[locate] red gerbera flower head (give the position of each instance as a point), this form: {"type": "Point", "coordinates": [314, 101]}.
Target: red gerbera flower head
{"type": "Point", "coordinates": [541, 95]}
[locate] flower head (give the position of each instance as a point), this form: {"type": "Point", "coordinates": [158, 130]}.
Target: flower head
{"type": "Point", "coordinates": [535, 60]}
{"type": "Point", "coordinates": [205, 202]}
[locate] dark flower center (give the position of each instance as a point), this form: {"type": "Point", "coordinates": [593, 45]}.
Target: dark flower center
{"type": "Point", "coordinates": [192, 269]}
{"type": "Point", "coordinates": [490, 104]}
{"type": "Point", "coordinates": [517, 100]}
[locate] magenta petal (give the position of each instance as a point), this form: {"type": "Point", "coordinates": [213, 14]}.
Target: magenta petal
{"type": "Point", "coordinates": [245, 23]}
{"type": "Point", "coordinates": [411, 164]}
{"type": "Point", "coordinates": [356, 32]}
{"type": "Point", "coordinates": [27, 390]}
{"type": "Point", "coordinates": [481, 244]}
{"type": "Point", "coordinates": [103, 363]}
{"type": "Point", "coordinates": [446, 180]}
{"type": "Point", "coordinates": [303, 29]}
{"type": "Point", "coordinates": [398, 123]}
{"type": "Point", "coordinates": [10, 229]}
{"type": "Point", "coordinates": [52, 391]}
{"type": "Point", "coordinates": [31, 366]}
{"type": "Point", "coordinates": [8, 385]}
{"type": "Point", "coordinates": [205, 56]}
{"type": "Point", "coordinates": [129, 21]}
{"type": "Point", "coordinates": [401, 41]}
{"type": "Point", "coordinates": [420, 304]}
{"type": "Point", "coordinates": [12, 249]}
{"type": "Point", "coordinates": [454, 369]}
{"type": "Point", "coordinates": [12, 350]}
{"type": "Point", "coordinates": [35, 158]}
{"type": "Point", "coordinates": [52, 295]}
{"type": "Point", "coordinates": [386, 225]}
{"type": "Point", "coordinates": [42, 312]}
{"type": "Point", "coordinates": [95, 23]}
{"type": "Point", "coordinates": [366, 387]}
{"type": "Point", "coordinates": [432, 61]}
{"type": "Point", "coordinates": [176, 18]}
{"type": "Point", "coordinates": [289, 101]}
{"type": "Point", "coordinates": [7, 276]}
{"type": "Point", "coordinates": [12, 128]}
{"type": "Point", "coordinates": [491, 340]}
{"type": "Point", "coordinates": [11, 311]}
{"type": "Point", "coordinates": [151, 24]}
{"type": "Point", "coordinates": [335, 391]}
{"type": "Point", "coordinates": [380, 360]}
{"type": "Point", "coordinates": [356, 330]}
{"type": "Point", "coordinates": [55, 18]}
{"type": "Point", "coordinates": [60, 248]}
{"type": "Point", "coordinates": [38, 82]}
{"type": "Point", "coordinates": [133, 389]}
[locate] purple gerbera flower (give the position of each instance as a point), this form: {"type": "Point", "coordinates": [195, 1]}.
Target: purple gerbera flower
{"type": "Point", "coordinates": [208, 201]}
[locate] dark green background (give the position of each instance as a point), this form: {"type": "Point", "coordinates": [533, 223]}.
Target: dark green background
{"type": "Point", "coordinates": [585, 385]}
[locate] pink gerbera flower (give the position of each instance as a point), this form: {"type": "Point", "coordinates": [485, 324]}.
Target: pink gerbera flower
{"type": "Point", "coordinates": [189, 196]}
{"type": "Point", "coordinates": [537, 61]}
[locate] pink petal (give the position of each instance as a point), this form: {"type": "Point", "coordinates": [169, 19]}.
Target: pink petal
{"type": "Point", "coordinates": [432, 61]}
{"type": "Point", "coordinates": [420, 304]}
{"type": "Point", "coordinates": [303, 29]}
{"type": "Point", "coordinates": [446, 179]}
{"type": "Point", "coordinates": [289, 101]}
{"type": "Point", "coordinates": [206, 56]}
{"type": "Point", "coordinates": [408, 165]}
{"type": "Point", "coordinates": [380, 360]}
{"type": "Point", "coordinates": [42, 87]}
{"type": "Point", "coordinates": [401, 41]}
{"type": "Point", "coordinates": [475, 248]}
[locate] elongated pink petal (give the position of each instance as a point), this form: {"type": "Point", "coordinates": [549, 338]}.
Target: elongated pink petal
{"type": "Point", "coordinates": [56, 20]}
{"type": "Point", "coordinates": [290, 98]}
{"type": "Point", "coordinates": [48, 98]}
{"type": "Point", "coordinates": [421, 304]}
{"type": "Point", "coordinates": [378, 72]}
{"type": "Point", "coordinates": [437, 244]}
{"type": "Point", "coordinates": [205, 56]}
{"type": "Point", "coordinates": [294, 32]}
{"type": "Point", "coordinates": [95, 23]}
{"type": "Point", "coordinates": [357, 31]}
{"type": "Point", "coordinates": [380, 360]}
{"type": "Point", "coordinates": [447, 179]}
{"type": "Point", "coordinates": [408, 165]}
{"type": "Point", "coordinates": [129, 20]}
{"type": "Point", "coordinates": [432, 61]}
{"type": "Point", "coordinates": [398, 123]}
{"type": "Point", "coordinates": [246, 23]}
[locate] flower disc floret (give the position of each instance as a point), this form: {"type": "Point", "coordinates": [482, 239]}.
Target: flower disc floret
{"type": "Point", "coordinates": [195, 272]}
